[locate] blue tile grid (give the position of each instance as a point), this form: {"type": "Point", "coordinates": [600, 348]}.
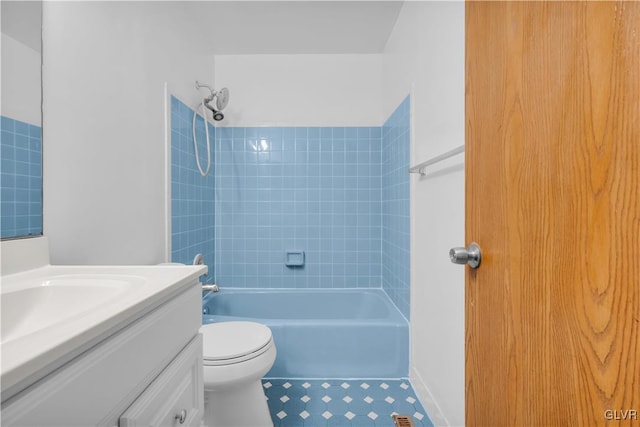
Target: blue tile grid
{"type": "Point", "coordinates": [20, 178]}
{"type": "Point", "coordinates": [307, 189]}
{"type": "Point", "coordinates": [192, 196]}
{"type": "Point", "coordinates": [337, 402]}
{"type": "Point", "coordinates": [395, 207]}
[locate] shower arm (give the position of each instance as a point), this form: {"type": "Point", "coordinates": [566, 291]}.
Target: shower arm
{"type": "Point", "coordinates": [213, 92]}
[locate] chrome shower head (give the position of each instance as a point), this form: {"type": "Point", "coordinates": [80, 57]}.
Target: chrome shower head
{"type": "Point", "coordinates": [217, 115]}
{"type": "Point", "coordinates": [220, 99]}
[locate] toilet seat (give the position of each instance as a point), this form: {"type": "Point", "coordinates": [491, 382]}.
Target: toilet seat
{"type": "Point", "coordinates": [227, 343]}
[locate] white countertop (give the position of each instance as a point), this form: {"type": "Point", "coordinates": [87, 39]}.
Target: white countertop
{"type": "Point", "coordinates": [31, 348]}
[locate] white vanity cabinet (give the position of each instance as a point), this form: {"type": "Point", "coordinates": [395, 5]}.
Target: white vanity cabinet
{"type": "Point", "coordinates": [147, 372]}
{"type": "Point", "coordinates": [175, 397]}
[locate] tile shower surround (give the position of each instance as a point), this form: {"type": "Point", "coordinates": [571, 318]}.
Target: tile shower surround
{"type": "Point", "coordinates": [287, 189]}
{"type": "Point", "coordinates": [20, 178]}
{"type": "Point", "coordinates": [396, 134]}
{"type": "Point", "coordinates": [340, 194]}
{"type": "Point", "coordinates": [192, 196]}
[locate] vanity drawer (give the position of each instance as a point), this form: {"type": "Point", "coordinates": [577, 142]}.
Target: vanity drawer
{"type": "Point", "coordinates": [175, 397]}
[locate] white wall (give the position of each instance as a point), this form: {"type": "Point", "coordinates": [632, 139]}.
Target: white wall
{"type": "Point", "coordinates": [301, 90]}
{"type": "Point", "coordinates": [104, 65]}
{"type": "Point", "coordinates": [20, 81]}
{"type": "Point", "coordinates": [425, 56]}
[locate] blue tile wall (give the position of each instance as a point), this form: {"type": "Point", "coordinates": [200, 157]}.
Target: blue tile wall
{"type": "Point", "coordinates": [395, 206]}
{"type": "Point", "coordinates": [307, 189]}
{"type": "Point", "coordinates": [192, 196]}
{"type": "Point", "coordinates": [340, 195]}
{"type": "Point", "coordinates": [20, 178]}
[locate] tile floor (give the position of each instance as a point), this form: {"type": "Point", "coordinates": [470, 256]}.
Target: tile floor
{"type": "Point", "coordinates": [324, 403]}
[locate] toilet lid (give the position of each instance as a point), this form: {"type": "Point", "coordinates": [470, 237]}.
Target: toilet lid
{"type": "Point", "coordinates": [232, 340]}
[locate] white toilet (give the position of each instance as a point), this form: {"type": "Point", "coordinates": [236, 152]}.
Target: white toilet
{"type": "Point", "coordinates": [236, 355]}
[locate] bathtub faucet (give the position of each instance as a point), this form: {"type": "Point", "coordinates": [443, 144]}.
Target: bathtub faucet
{"type": "Point", "coordinates": [213, 287]}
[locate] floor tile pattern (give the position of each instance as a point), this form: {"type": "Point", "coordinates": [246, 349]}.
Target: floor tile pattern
{"type": "Point", "coordinates": [348, 403]}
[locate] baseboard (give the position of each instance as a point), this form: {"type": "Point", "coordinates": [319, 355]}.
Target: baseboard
{"type": "Point", "coordinates": [427, 399]}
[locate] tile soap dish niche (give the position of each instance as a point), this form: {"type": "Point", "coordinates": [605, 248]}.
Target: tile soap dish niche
{"type": "Point", "coordinates": [294, 259]}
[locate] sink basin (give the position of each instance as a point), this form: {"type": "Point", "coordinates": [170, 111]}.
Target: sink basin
{"type": "Point", "coordinates": [43, 303]}
{"type": "Point", "coordinates": [51, 314]}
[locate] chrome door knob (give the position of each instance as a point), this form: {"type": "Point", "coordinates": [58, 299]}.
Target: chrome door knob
{"type": "Point", "coordinates": [470, 255]}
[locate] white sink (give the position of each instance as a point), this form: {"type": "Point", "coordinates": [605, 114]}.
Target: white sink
{"type": "Point", "coordinates": [43, 303]}
{"type": "Point", "coordinates": [51, 314]}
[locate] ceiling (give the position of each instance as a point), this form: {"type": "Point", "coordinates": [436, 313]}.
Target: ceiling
{"type": "Point", "coordinates": [295, 27]}
{"type": "Point", "coordinates": [251, 27]}
{"type": "Point", "coordinates": [21, 20]}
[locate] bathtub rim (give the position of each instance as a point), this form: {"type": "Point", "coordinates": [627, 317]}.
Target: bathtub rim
{"type": "Point", "coordinates": [395, 313]}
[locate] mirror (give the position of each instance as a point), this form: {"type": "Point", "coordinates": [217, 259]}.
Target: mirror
{"type": "Point", "coordinates": [21, 125]}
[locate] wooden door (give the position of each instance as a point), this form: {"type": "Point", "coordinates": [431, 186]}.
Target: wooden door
{"type": "Point", "coordinates": [553, 200]}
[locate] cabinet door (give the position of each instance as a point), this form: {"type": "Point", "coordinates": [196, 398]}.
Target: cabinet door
{"type": "Point", "coordinates": [176, 397]}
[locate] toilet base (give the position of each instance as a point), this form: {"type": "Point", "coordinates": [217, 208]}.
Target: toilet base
{"type": "Point", "coordinates": [244, 406]}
